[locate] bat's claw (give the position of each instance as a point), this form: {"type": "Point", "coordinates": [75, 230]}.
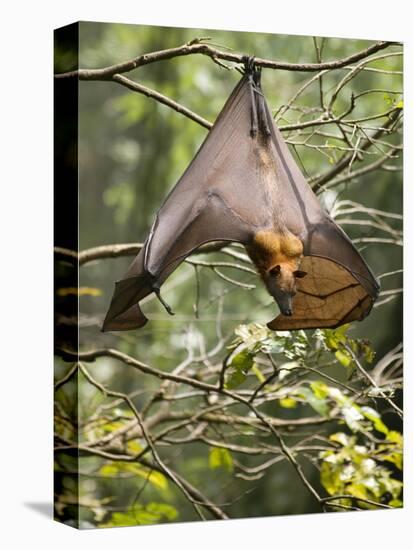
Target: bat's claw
{"type": "Point", "coordinates": [249, 63]}
{"type": "Point", "coordinates": [168, 308]}
{"type": "Point", "coordinates": [165, 305]}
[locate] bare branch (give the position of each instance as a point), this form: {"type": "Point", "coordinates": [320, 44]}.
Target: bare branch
{"type": "Point", "coordinates": [120, 250]}
{"type": "Point", "coordinates": [346, 159]}
{"type": "Point", "coordinates": [197, 47]}
{"type": "Point", "coordinates": [372, 381]}
{"type": "Point", "coordinates": [164, 468]}
{"type": "Point", "coordinates": [135, 87]}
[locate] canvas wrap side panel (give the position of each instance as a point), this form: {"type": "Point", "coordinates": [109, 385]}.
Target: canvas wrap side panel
{"type": "Point", "coordinates": [66, 272]}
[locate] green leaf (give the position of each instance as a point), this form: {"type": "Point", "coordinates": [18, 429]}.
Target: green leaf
{"type": "Point", "coordinates": [287, 402]}
{"type": "Point", "coordinates": [393, 449]}
{"type": "Point", "coordinates": [329, 478]}
{"type": "Point", "coordinates": [320, 389]}
{"type": "Point", "coordinates": [112, 426]}
{"type": "Point", "coordinates": [343, 357]}
{"type": "Point", "coordinates": [354, 469]}
{"type": "Point", "coordinates": [395, 458]}
{"type": "Point", "coordinates": [337, 341]}
{"type": "Point", "coordinates": [320, 405]}
{"type": "Point", "coordinates": [138, 514]}
{"type": "Point", "coordinates": [258, 373]}
{"type": "Point", "coordinates": [134, 447]}
{"type": "Point", "coordinates": [242, 361]}
{"type": "Point", "coordinates": [388, 99]}
{"type": "Point", "coordinates": [220, 458]}
{"type": "Point", "coordinates": [374, 417]}
{"type": "Point", "coordinates": [366, 350]}
{"type": "Point", "coordinates": [239, 363]}
{"type": "Point", "coordinates": [235, 379]}
{"type": "Point", "coordinates": [341, 438]}
{"type": "Point", "coordinates": [335, 337]}
{"type": "Point", "coordinates": [114, 469]}
{"type": "Point", "coordinates": [395, 437]}
{"type": "Point", "coordinates": [162, 509]}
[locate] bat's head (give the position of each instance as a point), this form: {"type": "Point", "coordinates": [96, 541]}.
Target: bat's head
{"type": "Point", "coordinates": [281, 283]}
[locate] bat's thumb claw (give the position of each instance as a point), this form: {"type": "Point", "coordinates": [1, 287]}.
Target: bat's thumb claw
{"type": "Point", "coordinates": [165, 305]}
{"type": "Point", "coordinates": [169, 310]}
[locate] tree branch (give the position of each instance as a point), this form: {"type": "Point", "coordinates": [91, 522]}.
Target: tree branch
{"type": "Point", "coordinates": [92, 355]}
{"type": "Point", "coordinates": [120, 250]}
{"type": "Point", "coordinates": [164, 468]}
{"type": "Point", "coordinates": [198, 47]}
{"type": "Point", "coordinates": [135, 87]}
{"type": "Point", "coordinates": [347, 159]}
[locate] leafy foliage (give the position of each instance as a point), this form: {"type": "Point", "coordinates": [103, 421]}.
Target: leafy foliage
{"type": "Point", "coordinates": [358, 470]}
{"type": "Point", "coordinates": [355, 469]}
{"type": "Point", "coordinates": [220, 458]}
{"type": "Point", "coordinates": [114, 469]}
{"type": "Point", "coordinates": [138, 514]}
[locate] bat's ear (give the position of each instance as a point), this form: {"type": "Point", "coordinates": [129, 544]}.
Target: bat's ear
{"type": "Point", "coordinates": [299, 274]}
{"type": "Point", "coordinates": [276, 270]}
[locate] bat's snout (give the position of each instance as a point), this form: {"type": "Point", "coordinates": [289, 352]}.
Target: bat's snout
{"type": "Point", "coordinates": [286, 305]}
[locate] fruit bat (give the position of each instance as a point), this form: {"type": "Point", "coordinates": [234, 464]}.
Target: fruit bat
{"type": "Point", "coordinates": [244, 186]}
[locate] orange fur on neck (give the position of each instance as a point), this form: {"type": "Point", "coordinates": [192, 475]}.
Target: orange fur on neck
{"type": "Point", "coordinates": [269, 249]}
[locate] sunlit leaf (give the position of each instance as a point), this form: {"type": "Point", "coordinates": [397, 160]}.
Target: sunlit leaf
{"type": "Point", "coordinates": [341, 438]}
{"type": "Point", "coordinates": [239, 364]}
{"type": "Point", "coordinates": [335, 337]}
{"type": "Point", "coordinates": [320, 405]}
{"type": "Point", "coordinates": [374, 416]}
{"type": "Point", "coordinates": [114, 469]}
{"type": "Point", "coordinates": [320, 389]}
{"type": "Point", "coordinates": [343, 357]}
{"type": "Point", "coordinates": [112, 426]}
{"type": "Point", "coordinates": [353, 469]}
{"type": "Point", "coordinates": [138, 514]}
{"type": "Point", "coordinates": [134, 446]}
{"type": "Point", "coordinates": [220, 458]}
{"type": "Point", "coordinates": [288, 403]}
{"type": "Point", "coordinates": [258, 373]}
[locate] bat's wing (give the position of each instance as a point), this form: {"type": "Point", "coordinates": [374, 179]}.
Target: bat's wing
{"type": "Point", "coordinates": [220, 197]}
{"type": "Point", "coordinates": [234, 187]}
{"type": "Point", "coordinates": [339, 286]}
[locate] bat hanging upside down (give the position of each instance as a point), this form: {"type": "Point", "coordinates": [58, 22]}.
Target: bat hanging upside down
{"type": "Point", "coordinates": [277, 258]}
{"type": "Point", "coordinates": [244, 186]}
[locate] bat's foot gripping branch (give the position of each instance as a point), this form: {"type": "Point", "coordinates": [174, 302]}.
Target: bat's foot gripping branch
{"type": "Point", "coordinates": [259, 119]}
